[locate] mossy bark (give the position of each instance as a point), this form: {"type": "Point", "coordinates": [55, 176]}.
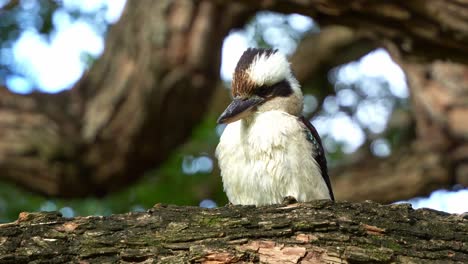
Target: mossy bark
{"type": "Point", "coordinates": [317, 232]}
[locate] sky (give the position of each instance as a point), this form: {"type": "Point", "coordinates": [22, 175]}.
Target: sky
{"type": "Point", "coordinates": [56, 64]}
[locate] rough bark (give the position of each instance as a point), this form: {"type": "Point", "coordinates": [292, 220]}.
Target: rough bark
{"type": "Point", "coordinates": [317, 232]}
{"type": "Point", "coordinates": [151, 86]}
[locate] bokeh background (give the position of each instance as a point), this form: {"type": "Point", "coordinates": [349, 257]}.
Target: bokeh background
{"type": "Point", "coordinates": [47, 46]}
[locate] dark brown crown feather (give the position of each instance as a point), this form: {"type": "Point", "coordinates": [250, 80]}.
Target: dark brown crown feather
{"type": "Point", "coordinates": [241, 83]}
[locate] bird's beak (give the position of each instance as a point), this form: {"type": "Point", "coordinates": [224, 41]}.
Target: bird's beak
{"type": "Point", "coordinates": [239, 108]}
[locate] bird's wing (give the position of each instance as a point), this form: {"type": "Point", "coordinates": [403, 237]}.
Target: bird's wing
{"type": "Point", "coordinates": [314, 138]}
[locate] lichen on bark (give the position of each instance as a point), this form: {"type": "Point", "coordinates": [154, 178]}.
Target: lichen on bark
{"type": "Point", "coordinates": [316, 232]}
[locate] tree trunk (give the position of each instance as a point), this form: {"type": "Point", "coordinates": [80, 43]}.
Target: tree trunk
{"type": "Point", "coordinates": [136, 104]}
{"type": "Point", "coordinates": [161, 65]}
{"type": "Point", "coordinates": [317, 232]}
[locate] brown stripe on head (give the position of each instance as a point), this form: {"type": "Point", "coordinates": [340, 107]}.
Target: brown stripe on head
{"type": "Point", "coordinates": [242, 85]}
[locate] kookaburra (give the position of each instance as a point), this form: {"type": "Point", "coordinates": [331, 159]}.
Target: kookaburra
{"type": "Point", "coordinates": [268, 151]}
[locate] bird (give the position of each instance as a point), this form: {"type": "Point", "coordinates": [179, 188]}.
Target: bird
{"type": "Point", "coordinates": [268, 151]}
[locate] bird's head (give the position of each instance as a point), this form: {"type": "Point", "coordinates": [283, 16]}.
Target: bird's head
{"type": "Point", "coordinates": [262, 82]}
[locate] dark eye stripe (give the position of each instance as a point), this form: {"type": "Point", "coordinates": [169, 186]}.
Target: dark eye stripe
{"type": "Point", "coordinates": [282, 89]}
{"type": "Point", "coordinates": [263, 91]}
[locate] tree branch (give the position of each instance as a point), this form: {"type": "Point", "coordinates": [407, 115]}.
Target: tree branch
{"type": "Point", "coordinates": [406, 174]}
{"type": "Point", "coordinates": [420, 30]}
{"type": "Point", "coordinates": [333, 46]}
{"type": "Point", "coordinates": [316, 232]}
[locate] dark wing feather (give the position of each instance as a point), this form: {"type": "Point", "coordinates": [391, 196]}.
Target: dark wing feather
{"type": "Point", "coordinates": [314, 138]}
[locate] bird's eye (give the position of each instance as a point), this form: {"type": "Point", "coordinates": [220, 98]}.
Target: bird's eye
{"type": "Point", "coordinates": [262, 91]}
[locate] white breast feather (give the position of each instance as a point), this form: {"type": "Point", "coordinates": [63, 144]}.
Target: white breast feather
{"type": "Point", "coordinates": [268, 161]}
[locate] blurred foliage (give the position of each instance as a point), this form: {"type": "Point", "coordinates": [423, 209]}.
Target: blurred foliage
{"type": "Point", "coordinates": [14, 20]}
{"type": "Point", "coordinates": [40, 17]}
{"type": "Point", "coordinates": [191, 176]}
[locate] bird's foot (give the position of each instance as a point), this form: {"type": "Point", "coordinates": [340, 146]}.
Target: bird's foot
{"type": "Point", "coordinates": [288, 200]}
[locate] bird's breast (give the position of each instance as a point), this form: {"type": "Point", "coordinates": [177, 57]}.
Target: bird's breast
{"type": "Point", "coordinates": [267, 160]}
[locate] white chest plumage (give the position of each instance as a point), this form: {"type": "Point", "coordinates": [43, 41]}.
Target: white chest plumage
{"type": "Point", "coordinates": [269, 159]}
